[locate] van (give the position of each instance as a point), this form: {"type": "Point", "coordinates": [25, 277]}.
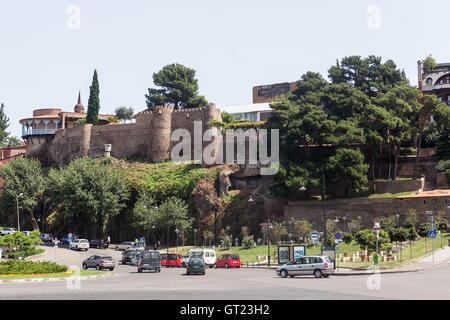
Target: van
{"type": "Point", "coordinates": [207, 255]}
{"type": "Point", "coordinates": [149, 260]}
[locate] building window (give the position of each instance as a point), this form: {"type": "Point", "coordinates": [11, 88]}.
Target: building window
{"type": "Point", "coordinates": [429, 82]}
{"type": "Point", "coordinates": [448, 99]}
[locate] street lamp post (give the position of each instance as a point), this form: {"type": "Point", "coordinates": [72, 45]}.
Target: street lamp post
{"type": "Point", "coordinates": [176, 231]}
{"type": "Point", "coordinates": [195, 235]}
{"type": "Point", "coordinates": [267, 205]}
{"type": "Point", "coordinates": [18, 219]}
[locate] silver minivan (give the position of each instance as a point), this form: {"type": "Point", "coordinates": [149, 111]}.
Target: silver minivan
{"type": "Point", "coordinates": [319, 266]}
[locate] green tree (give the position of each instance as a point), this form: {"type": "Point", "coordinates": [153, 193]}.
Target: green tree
{"type": "Point", "coordinates": [411, 236]}
{"type": "Point", "coordinates": [94, 101]}
{"type": "Point", "coordinates": [124, 113]}
{"type": "Point", "coordinates": [348, 167]}
{"type": "Point", "coordinates": [369, 74]}
{"type": "Point", "coordinates": [227, 118]}
{"type": "Point", "coordinates": [172, 213]}
{"type": "Point", "coordinates": [301, 228]}
{"type": "Point", "coordinates": [87, 193]}
{"type": "Point", "coordinates": [248, 242]}
{"type": "Point", "coordinates": [367, 239]}
{"type": "Point", "coordinates": [429, 64]}
{"type": "Point", "coordinates": [226, 241]}
{"type": "Point", "coordinates": [4, 124]}
{"type": "Point", "coordinates": [411, 219]}
{"type": "Point", "coordinates": [421, 112]}
{"type": "Point", "coordinates": [278, 231]}
{"type": "Point", "coordinates": [22, 176]}
{"type": "Point", "coordinates": [347, 238]}
{"type": "Point", "coordinates": [179, 88]}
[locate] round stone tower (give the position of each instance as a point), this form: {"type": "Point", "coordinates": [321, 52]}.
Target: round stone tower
{"type": "Point", "coordinates": [161, 131]}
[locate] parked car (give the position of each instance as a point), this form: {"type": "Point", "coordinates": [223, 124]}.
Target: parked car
{"type": "Point", "coordinates": [174, 260]}
{"type": "Point", "coordinates": [149, 260]}
{"type": "Point", "coordinates": [99, 262]}
{"type": "Point", "coordinates": [27, 233]}
{"type": "Point", "coordinates": [80, 244]}
{"type": "Point", "coordinates": [66, 240]}
{"type": "Point", "coordinates": [6, 231]}
{"type": "Point", "coordinates": [45, 237]}
{"type": "Point", "coordinates": [124, 246]}
{"type": "Point", "coordinates": [127, 255]}
{"type": "Point", "coordinates": [135, 259]}
{"type": "Point", "coordinates": [98, 243]}
{"type": "Point", "coordinates": [228, 260]}
{"type": "Point", "coordinates": [196, 265]}
{"type": "Point", "coordinates": [185, 260]}
{"type": "Point", "coordinates": [319, 266]}
{"type": "Point", "coordinates": [207, 255]}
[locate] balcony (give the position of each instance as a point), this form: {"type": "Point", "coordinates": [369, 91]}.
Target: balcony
{"type": "Point", "coordinates": [37, 132]}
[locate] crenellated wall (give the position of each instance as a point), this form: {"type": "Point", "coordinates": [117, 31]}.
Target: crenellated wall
{"type": "Point", "coordinates": [148, 138]}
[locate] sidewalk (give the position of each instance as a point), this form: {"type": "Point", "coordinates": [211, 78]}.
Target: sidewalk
{"type": "Point", "coordinates": [440, 256]}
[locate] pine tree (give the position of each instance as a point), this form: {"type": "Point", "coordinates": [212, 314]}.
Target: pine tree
{"type": "Point", "coordinates": [4, 124]}
{"type": "Point", "coordinates": [94, 101]}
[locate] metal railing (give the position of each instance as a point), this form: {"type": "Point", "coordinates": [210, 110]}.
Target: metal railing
{"type": "Point", "coordinates": [32, 132]}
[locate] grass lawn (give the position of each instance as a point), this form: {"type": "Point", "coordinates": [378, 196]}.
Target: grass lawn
{"type": "Point", "coordinates": [407, 255]}
{"type": "Point", "coordinates": [65, 275]}
{"type": "Point", "coordinates": [418, 251]}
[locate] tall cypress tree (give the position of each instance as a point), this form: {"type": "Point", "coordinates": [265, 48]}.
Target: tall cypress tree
{"type": "Point", "coordinates": [4, 124]}
{"type": "Point", "coordinates": [94, 101]}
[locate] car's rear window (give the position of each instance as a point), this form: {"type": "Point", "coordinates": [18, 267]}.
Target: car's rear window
{"type": "Point", "coordinates": [196, 262]}
{"type": "Point", "coordinates": [234, 256]}
{"type": "Point", "coordinates": [327, 258]}
{"type": "Point", "coordinates": [197, 254]}
{"type": "Point", "coordinates": [84, 241]}
{"type": "Point", "coordinates": [150, 255]}
{"type": "Point", "coordinates": [173, 256]}
{"type": "Point", "coordinates": [107, 258]}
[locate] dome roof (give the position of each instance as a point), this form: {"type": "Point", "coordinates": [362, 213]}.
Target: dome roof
{"type": "Point", "coordinates": [79, 108]}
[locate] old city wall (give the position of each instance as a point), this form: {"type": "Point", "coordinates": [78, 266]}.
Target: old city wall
{"type": "Point", "coordinates": [148, 138]}
{"type": "Point", "coordinates": [368, 209]}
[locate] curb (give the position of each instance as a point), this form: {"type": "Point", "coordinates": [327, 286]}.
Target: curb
{"type": "Point", "coordinates": [363, 273]}
{"type": "Point", "coordinates": [101, 276]}
{"type": "Point", "coordinates": [37, 256]}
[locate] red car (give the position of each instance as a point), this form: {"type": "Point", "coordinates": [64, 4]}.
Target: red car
{"type": "Point", "coordinates": [171, 260]}
{"type": "Point", "coordinates": [228, 260]}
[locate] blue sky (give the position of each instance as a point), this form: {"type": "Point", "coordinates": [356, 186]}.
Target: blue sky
{"type": "Point", "coordinates": [233, 45]}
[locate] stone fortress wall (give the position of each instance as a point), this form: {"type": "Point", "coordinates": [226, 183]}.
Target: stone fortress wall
{"type": "Point", "coordinates": [148, 137]}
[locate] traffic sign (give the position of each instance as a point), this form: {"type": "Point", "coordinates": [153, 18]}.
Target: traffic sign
{"type": "Point", "coordinates": [337, 241]}
{"type": "Point", "coordinates": [314, 237]}
{"type": "Point", "coordinates": [338, 235]}
{"type": "Point", "coordinates": [432, 234]}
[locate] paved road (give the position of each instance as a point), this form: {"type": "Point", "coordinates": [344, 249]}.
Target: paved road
{"type": "Point", "coordinates": [219, 284]}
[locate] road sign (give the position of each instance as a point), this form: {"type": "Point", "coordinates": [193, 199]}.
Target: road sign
{"type": "Point", "coordinates": [338, 235]}
{"type": "Point", "coordinates": [314, 237]}
{"type": "Point", "coordinates": [432, 234]}
{"type": "Point", "coordinates": [337, 241]}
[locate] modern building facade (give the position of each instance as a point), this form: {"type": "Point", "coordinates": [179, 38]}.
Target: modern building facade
{"type": "Point", "coordinates": [250, 112]}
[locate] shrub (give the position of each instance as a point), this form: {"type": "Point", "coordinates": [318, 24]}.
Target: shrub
{"type": "Point", "coordinates": [248, 242]}
{"type": "Point", "coordinates": [30, 267]}
{"type": "Point", "coordinates": [226, 242]}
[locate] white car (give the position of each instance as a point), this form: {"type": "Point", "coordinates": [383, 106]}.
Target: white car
{"type": "Point", "coordinates": [80, 244]}
{"type": "Point", "coordinates": [207, 255]}
{"type": "Point", "coordinates": [6, 231]}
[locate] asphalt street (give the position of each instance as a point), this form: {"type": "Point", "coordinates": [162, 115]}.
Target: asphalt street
{"type": "Point", "coordinates": [227, 284]}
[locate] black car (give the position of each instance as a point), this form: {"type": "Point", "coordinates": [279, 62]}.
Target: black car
{"type": "Point", "coordinates": [149, 260]}
{"type": "Point", "coordinates": [127, 255]}
{"type": "Point", "coordinates": [96, 243]}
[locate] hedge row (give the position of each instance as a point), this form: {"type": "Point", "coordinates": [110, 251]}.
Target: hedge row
{"type": "Point", "coordinates": [30, 267]}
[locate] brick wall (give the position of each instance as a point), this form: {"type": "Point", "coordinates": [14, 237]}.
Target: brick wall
{"type": "Point", "coordinates": [368, 209]}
